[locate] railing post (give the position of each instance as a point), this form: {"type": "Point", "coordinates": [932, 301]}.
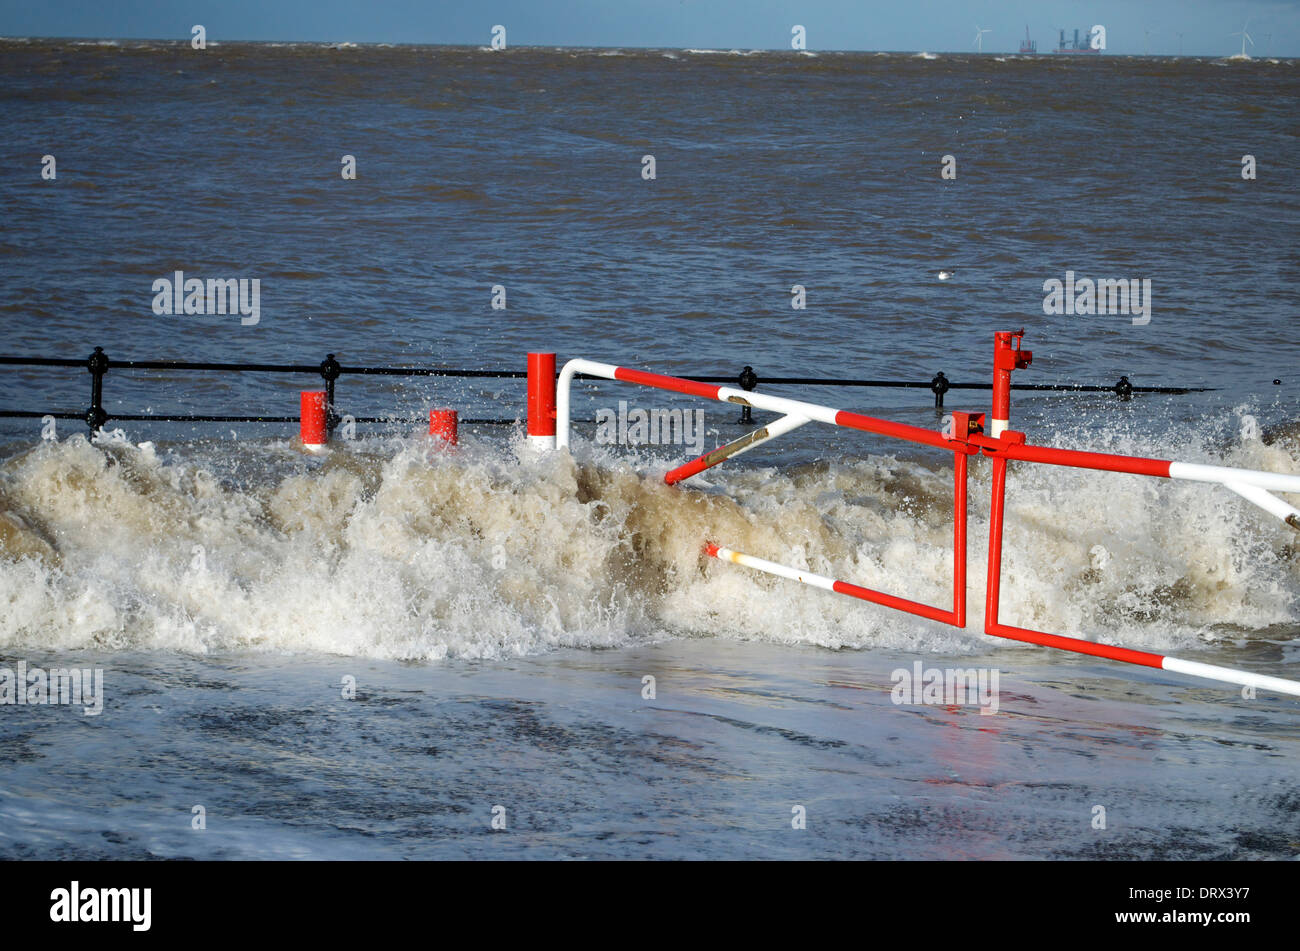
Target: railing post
{"type": "Point", "coordinates": [97, 364]}
{"type": "Point", "coordinates": [939, 386]}
{"type": "Point", "coordinates": [541, 400]}
{"type": "Point", "coordinates": [443, 425]}
{"type": "Point", "coordinates": [748, 380]}
{"type": "Point", "coordinates": [1006, 358]}
{"type": "Point", "coordinates": [314, 414]}
{"type": "Point", "coordinates": [329, 371]}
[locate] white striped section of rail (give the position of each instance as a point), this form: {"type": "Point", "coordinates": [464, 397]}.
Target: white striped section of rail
{"type": "Point", "coordinates": [1253, 485]}
{"type": "Point", "coordinates": [831, 584]}
{"type": "Point", "coordinates": [1269, 503]}
{"type": "Point", "coordinates": [737, 446]}
{"type": "Point", "coordinates": [727, 394]}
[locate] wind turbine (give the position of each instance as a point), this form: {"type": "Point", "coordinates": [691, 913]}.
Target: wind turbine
{"type": "Point", "coordinates": [1146, 45]}
{"type": "Point", "coordinates": [1244, 37]}
{"type": "Point", "coordinates": [979, 37]}
{"type": "Point", "coordinates": [1180, 44]}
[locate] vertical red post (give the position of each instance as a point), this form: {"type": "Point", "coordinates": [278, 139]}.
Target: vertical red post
{"type": "Point", "coordinates": [313, 428]}
{"type": "Point", "coordinates": [443, 424]}
{"type": "Point", "coordinates": [1006, 358]}
{"type": "Point", "coordinates": [541, 400]}
{"type": "Point", "coordinates": [996, 509]}
{"type": "Point", "coordinates": [959, 539]}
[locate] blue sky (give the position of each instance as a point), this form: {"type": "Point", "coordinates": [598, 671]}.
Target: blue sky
{"type": "Point", "coordinates": [937, 25]}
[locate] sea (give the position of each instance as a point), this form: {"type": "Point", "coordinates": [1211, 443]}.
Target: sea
{"type": "Point", "coordinates": [397, 649]}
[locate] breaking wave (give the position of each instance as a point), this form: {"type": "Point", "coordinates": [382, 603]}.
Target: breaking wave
{"type": "Point", "coordinates": [387, 548]}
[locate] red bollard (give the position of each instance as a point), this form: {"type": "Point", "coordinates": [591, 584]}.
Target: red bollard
{"type": "Point", "coordinates": [541, 400]}
{"type": "Point", "coordinates": [314, 431]}
{"type": "Point", "coordinates": [443, 424]}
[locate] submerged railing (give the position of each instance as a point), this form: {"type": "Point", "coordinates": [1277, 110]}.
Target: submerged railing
{"type": "Point", "coordinates": [964, 437]}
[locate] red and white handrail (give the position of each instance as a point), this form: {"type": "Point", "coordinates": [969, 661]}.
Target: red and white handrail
{"type": "Point", "coordinates": [1079, 646]}
{"type": "Point", "coordinates": [1073, 644]}
{"type": "Point", "coordinates": [727, 394]}
{"type": "Point", "coordinates": [1251, 484]}
{"type": "Point", "coordinates": [955, 617]}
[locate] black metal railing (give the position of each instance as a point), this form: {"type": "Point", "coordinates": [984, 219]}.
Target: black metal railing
{"type": "Point", "coordinates": [330, 370]}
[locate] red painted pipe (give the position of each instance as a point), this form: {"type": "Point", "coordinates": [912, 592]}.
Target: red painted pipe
{"type": "Point", "coordinates": [1137, 465]}
{"type": "Point", "coordinates": [883, 427]}
{"type": "Point", "coordinates": [1006, 358]}
{"type": "Point", "coordinates": [707, 390]}
{"type": "Point", "coordinates": [312, 410]}
{"type": "Point", "coordinates": [443, 424]}
{"type": "Point", "coordinates": [541, 399]}
{"type": "Point", "coordinates": [694, 467]}
{"type": "Point", "coordinates": [897, 603]}
{"type": "Point", "coordinates": [959, 539]}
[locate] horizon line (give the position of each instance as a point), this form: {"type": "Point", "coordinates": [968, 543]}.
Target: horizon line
{"type": "Point", "coordinates": [1048, 54]}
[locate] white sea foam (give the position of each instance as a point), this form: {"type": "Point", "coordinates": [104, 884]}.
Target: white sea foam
{"type": "Point", "coordinates": [383, 550]}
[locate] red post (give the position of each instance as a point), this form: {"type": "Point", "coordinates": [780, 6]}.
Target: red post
{"type": "Point", "coordinates": [541, 400]}
{"type": "Point", "coordinates": [997, 509]}
{"type": "Point", "coordinates": [443, 424]}
{"type": "Point", "coordinates": [313, 430]}
{"type": "Point", "coordinates": [1006, 358]}
{"type": "Point", "coordinates": [959, 539]}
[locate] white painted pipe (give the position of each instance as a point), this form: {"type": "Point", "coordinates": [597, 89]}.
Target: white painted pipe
{"type": "Point", "coordinates": [1229, 675]}
{"type": "Point", "coordinates": [605, 370]}
{"type": "Point", "coordinates": [771, 567]}
{"type": "Point", "coordinates": [1273, 481]}
{"type": "Point", "coordinates": [1269, 503]}
{"type": "Point", "coordinates": [736, 447]}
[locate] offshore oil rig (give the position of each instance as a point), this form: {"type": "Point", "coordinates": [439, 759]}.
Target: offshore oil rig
{"type": "Point", "coordinates": [1076, 45]}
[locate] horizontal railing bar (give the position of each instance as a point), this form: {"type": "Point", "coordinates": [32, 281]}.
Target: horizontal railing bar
{"type": "Point", "coordinates": [920, 385]}
{"type": "Point", "coordinates": [831, 584]}
{"type": "Point", "coordinates": [520, 375]}
{"type": "Point", "coordinates": [264, 367]}
{"type": "Point", "coordinates": [433, 371]}
{"type": "Point", "coordinates": [726, 394]}
{"type": "Point", "coordinates": [35, 414]}
{"type": "Point", "coordinates": [43, 362]}
{"type": "Point", "coordinates": [189, 418]}
{"type": "Point", "coordinates": [1138, 465]}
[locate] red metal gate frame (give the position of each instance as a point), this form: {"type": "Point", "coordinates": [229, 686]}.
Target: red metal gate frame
{"type": "Point", "coordinates": [967, 437]}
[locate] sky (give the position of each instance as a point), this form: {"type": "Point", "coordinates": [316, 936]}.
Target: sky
{"type": "Point", "coordinates": [1132, 27]}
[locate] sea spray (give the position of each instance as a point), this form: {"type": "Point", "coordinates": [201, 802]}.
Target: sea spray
{"type": "Point", "coordinates": [387, 550]}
